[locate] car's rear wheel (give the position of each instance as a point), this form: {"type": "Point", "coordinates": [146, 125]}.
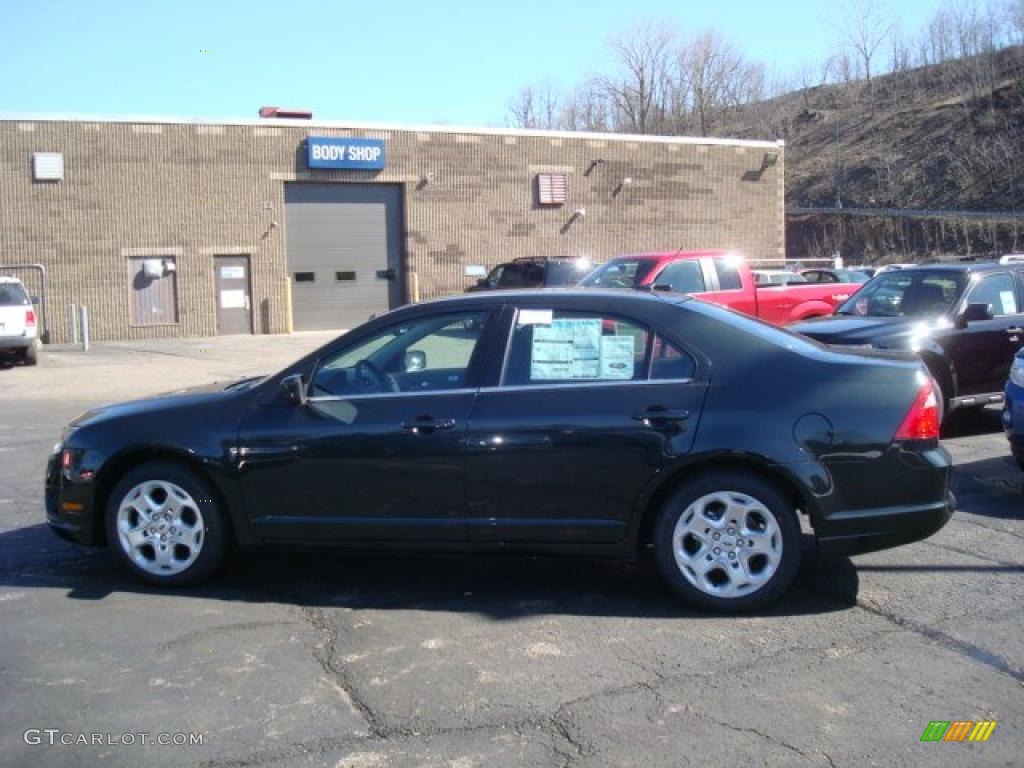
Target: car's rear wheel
{"type": "Point", "coordinates": [30, 355]}
{"type": "Point", "coordinates": [728, 541]}
{"type": "Point", "coordinates": [163, 522]}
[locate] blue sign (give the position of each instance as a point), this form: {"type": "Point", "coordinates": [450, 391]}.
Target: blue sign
{"type": "Point", "coordinates": [354, 154]}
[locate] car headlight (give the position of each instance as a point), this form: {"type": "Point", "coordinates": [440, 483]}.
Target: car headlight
{"type": "Point", "coordinates": [1017, 372]}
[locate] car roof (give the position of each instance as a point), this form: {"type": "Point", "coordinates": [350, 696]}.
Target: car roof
{"type": "Point", "coordinates": [680, 254]}
{"type": "Point", "coordinates": [573, 294]}
{"type": "Point", "coordinates": [979, 266]}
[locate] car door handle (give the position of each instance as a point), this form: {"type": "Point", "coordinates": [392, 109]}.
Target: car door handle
{"type": "Point", "coordinates": [424, 425]}
{"type": "Point", "coordinates": [1013, 330]}
{"type": "Point", "coordinates": [656, 416]}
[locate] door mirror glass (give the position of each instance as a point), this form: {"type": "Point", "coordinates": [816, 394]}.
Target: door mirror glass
{"type": "Point", "coordinates": [415, 360]}
{"type": "Point", "coordinates": [294, 389]}
{"type": "Point", "coordinates": [976, 312]}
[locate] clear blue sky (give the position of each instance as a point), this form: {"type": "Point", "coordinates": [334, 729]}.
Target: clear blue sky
{"type": "Point", "coordinates": [399, 61]}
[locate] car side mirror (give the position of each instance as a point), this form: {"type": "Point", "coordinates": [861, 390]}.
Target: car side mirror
{"type": "Point", "coordinates": [482, 282]}
{"type": "Point", "coordinates": [294, 389]}
{"type": "Point", "coordinates": [975, 313]}
{"type": "Point", "coordinates": [415, 360]}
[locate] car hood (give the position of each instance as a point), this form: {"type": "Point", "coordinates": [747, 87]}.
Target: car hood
{"type": "Point", "coordinates": [848, 329]}
{"type": "Point", "coordinates": [166, 401]}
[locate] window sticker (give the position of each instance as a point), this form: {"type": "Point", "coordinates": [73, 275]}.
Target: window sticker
{"type": "Point", "coordinates": [617, 355]}
{"type": "Point", "coordinates": [534, 317]}
{"type": "Point", "coordinates": [1009, 302]}
{"type": "Point", "coordinates": [566, 350]}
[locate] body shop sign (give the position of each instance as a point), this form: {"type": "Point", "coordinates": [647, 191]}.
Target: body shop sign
{"type": "Point", "coordinates": [353, 154]}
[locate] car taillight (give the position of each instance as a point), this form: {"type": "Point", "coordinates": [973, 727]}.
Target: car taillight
{"type": "Point", "coordinates": [922, 420]}
{"type": "Point", "coordinates": [30, 318]}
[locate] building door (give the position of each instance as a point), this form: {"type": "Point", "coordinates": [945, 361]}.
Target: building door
{"type": "Point", "coordinates": [234, 294]}
{"type": "Point", "coordinates": [344, 246]}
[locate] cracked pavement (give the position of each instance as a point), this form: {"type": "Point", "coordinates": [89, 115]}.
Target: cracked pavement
{"type": "Point", "coordinates": [354, 661]}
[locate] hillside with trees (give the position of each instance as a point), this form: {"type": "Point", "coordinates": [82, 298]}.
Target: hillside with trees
{"type": "Point", "coordinates": [913, 144]}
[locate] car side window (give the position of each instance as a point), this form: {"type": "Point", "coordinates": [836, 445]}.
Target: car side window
{"type": "Point", "coordinates": [669, 361]}
{"type": "Point", "coordinates": [998, 292]}
{"type": "Point", "coordinates": [429, 354]}
{"type": "Point", "coordinates": [728, 275]}
{"type": "Point", "coordinates": [555, 347]}
{"type": "Point", "coordinates": [683, 277]}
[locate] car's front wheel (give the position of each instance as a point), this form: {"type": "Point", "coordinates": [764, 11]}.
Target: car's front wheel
{"type": "Point", "coordinates": [164, 523]}
{"type": "Point", "coordinates": [728, 541]}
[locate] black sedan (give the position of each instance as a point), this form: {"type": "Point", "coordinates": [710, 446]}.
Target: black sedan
{"type": "Point", "coordinates": [584, 422]}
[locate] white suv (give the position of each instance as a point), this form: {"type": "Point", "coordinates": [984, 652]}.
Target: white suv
{"type": "Point", "coordinates": [17, 321]}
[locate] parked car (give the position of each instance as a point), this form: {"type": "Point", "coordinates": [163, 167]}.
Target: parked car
{"type": "Point", "coordinates": [721, 278]}
{"type": "Point", "coordinates": [580, 422]}
{"type": "Point", "coordinates": [819, 275]}
{"type": "Point", "coordinates": [534, 272]}
{"type": "Point", "coordinates": [18, 333]}
{"type": "Point", "coordinates": [776, 277]}
{"type": "Point", "coordinates": [964, 320]}
{"type": "Point", "coordinates": [1013, 409]}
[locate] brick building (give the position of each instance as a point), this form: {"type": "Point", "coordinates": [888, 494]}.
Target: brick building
{"type": "Point", "coordinates": [186, 227]}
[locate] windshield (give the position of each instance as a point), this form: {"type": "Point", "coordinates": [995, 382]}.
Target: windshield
{"type": "Point", "coordinates": [620, 273]}
{"type": "Point", "coordinates": [907, 293]}
{"type": "Point", "coordinates": [12, 295]}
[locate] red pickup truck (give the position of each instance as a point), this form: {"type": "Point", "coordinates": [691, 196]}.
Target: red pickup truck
{"type": "Point", "coordinates": [722, 278]}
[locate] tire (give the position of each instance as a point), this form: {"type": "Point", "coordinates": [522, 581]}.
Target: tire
{"type": "Point", "coordinates": [766, 558]}
{"type": "Point", "coordinates": [30, 355]}
{"type": "Point", "coordinates": [182, 509]}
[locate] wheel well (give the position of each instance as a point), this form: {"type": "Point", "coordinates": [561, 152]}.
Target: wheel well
{"type": "Point", "coordinates": [112, 474]}
{"type": "Point", "coordinates": [776, 478]}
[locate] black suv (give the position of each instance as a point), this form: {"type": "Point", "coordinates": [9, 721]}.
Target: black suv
{"type": "Point", "coordinates": [965, 320]}
{"type": "Point", "coordinates": [534, 272]}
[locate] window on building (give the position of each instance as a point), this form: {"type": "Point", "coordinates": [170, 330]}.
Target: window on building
{"type": "Point", "coordinates": [551, 188]}
{"type": "Point", "coordinates": [344, 277]}
{"type": "Point", "coordinates": [305, 277]}
{"type": "Point", "coordinates": [154, 294]}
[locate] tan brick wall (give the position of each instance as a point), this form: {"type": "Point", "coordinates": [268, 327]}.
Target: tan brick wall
{"type": "Point", "coordinates": [199, 190]}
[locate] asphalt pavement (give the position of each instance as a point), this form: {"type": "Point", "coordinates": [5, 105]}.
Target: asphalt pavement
{"type": "Point", "coordinates": [397, 660]}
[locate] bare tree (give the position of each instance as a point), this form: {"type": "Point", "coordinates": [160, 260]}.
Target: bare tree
{"type": "Point", "coordinates": [637, 92]}
{"type": "Point", "coordinates": [864, 26]}
{"type": "Point", "coordinates": [536, 106]}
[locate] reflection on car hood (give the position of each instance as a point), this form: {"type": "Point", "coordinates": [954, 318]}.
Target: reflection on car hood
{"type": "Point", "coordinates": [849, 329]}
{"type": "Point", "coordinates": [165, 401]}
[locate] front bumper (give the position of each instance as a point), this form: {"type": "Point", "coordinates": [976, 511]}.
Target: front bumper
{"type": "Point", "coordinates": [869, 530]}
{"type": "Point", "coordinates": [69, 506]}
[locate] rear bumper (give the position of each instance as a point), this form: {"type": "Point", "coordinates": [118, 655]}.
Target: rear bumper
{"type": "Point", "coordinates": [868, 530]}
{"type": "Point", "coordinates": [16, 342]}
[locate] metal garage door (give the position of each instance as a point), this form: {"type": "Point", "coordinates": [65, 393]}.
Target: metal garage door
{"type": "Point", "coordinates": [344, 252]}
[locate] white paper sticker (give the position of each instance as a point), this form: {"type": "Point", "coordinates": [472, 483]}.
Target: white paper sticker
{"type": "Point", "coordinates": [232, 299]}
{"type": "Point", "coordinates": [617, 355]}
{"type": "Point", "coordinates": [566, 349]}
{"type": "Point", "coordinates": [1009, 302]}
{"type": "Point", "coordinates": [232, 273]}
{"type": "Point", "coordinates": [534, 317]}
{"type": "Point", "coordinates": [475, 270]}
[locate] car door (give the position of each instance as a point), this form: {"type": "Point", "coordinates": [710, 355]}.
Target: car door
{"type": "Point", "coordinates": [589, 407]}
{"type": "Point", "coordinates": [378, 450]}
{"type": "Point", "coordinates": [988, 346]}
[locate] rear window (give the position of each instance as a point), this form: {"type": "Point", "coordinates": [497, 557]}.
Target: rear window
{"type": "Point", "coordinates": [12, 295]}
{"type": "Point", "coordinates": [620, 273]}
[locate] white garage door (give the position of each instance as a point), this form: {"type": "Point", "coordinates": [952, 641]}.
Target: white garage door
{"type": "Point", "coordinates": [344, 246]}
